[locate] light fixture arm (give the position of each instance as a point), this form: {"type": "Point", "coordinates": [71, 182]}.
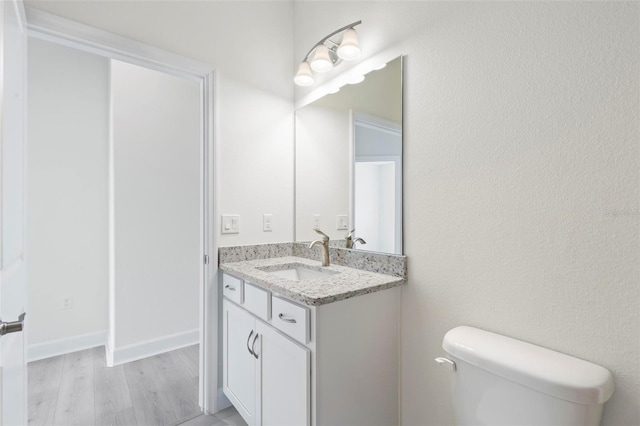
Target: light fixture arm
{"type": "Point", "coordinates": [346, 27]}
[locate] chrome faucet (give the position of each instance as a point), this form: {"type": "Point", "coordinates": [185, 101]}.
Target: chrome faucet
{"type": "Point", "coordinates": [351, 242]}
{"type": "Point", "coordinates": [325, 246]}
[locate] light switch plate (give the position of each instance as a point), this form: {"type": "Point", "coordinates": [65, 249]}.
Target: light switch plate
{"type": "Point", "coordinates": [342, 222]}
{"type": "Point", "coordinates": [267, 220]}
{"type": "Point", "coordinates": [230, 224]}
{"type": "Point", "coordinates": [316, 221]}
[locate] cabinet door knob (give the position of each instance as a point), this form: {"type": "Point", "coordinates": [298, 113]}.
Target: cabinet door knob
{"type": "Point", "coordinates": [253, 344]}
{"type": "Point", "coordinates": [289, 320]}
{"type": "Point", "coordinates": [248, 347]}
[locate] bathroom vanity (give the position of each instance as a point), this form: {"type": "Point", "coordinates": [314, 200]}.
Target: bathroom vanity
{"type": "Point", "coordinates": [305, 345]}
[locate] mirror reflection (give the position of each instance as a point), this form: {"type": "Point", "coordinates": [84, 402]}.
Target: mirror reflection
{"type": "Point", "coordinates": [349, 164]}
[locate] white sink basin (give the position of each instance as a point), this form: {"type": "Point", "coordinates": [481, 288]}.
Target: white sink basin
{"type": "Point", "coordinates": [297, 272]}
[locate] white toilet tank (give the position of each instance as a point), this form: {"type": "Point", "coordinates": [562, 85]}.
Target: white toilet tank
{"type": "Point", "coordinates": [498, 380]}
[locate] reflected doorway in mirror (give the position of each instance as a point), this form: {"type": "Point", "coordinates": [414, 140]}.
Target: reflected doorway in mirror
{"type": "Point", "coordinates": [376, 190]}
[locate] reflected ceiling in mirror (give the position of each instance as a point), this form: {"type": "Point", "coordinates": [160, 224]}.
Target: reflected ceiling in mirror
{"type": "Point", "coordinates": [349, 164]}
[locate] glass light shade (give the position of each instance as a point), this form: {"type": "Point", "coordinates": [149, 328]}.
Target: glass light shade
{"type": "Point", "coordinates": [321, 61]}
{"type": "Point", "coordinates": [349, 48]}
{"type": "Point", "coordinates": [303, 77]}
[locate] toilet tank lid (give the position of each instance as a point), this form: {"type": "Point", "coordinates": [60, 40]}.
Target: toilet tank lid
{"type": "Point", "coordinates": [542, 369]}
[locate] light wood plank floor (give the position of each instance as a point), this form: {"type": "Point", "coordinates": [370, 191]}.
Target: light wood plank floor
{"type": "Point", "coordinates": [228, 416]}
{"type": "Point", "coordinates": [79, 389]}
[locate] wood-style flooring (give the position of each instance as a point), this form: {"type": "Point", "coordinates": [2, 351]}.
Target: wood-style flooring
{"type": "Point", "coordinates": [228, 416]}
{"type": "Point", "coordinates": [79, 389]}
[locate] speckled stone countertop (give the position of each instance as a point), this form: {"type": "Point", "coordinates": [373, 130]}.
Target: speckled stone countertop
{"type": "Point", "coordinates": [344, 283]}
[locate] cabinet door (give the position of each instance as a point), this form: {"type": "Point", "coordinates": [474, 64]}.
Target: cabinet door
{"type": "Point", "coordinates": [240, 374]}
{"type": "Point", "coordinates": [285, 379]}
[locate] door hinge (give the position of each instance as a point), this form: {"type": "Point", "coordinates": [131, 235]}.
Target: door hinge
{"type": "Point", "coordinates": [206, 259]}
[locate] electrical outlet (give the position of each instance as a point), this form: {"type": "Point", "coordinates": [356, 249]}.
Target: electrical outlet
{"type": "Point", "coordinates": [67, 302]}
{"type": "Point", "coordinates": [316, 221]}
{"type": "Point", "coordinates": [267, 222]}
{"type": "Point", "coordinates": [342, 222]}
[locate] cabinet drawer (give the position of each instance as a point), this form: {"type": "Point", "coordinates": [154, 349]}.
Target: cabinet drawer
{"type": "Point", "coordinates": [232, 288]}
{"type": "Point", "coordinates": [257, 301]}
{"type": "Point", "coordinates": [291, 319]}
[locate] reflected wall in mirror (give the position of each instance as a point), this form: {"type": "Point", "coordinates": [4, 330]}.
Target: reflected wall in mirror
{"type": "Point", "coordinates": [349, 164]}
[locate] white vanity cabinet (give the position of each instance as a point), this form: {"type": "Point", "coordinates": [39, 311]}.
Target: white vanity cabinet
{"type": "Point", "coordinates": [265, 374]}
{"type": "Point", "coordinates": [285, 379]}
{"type": "Point", "coordinates": [285, 363]}
{"type": "Point", "coordinates": [240, 367]}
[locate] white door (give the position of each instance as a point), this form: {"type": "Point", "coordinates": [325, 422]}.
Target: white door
{"type": "Point", "coordinates": [13, 280]}
{"type": "Point", "coordinates": [240, 373]}
{"type": "Point", "coordinates": [285, 380]}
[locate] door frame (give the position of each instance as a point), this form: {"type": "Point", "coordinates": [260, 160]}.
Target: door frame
{"type": "Point", "coordinates": [52, 28]}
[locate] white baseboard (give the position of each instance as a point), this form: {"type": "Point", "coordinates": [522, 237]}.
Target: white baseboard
{"type": "Point", "coordinates": [66, 345]}
{"type": "Point", "coordinates": [151, 347]}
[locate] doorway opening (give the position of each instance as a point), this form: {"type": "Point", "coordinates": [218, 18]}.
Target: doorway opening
{"type": "Point", "coordinates": [119, 248]}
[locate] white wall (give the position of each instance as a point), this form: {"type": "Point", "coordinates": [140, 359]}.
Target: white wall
{"type": "Point", "coordinates": [67, 223]}
{"type": "Point", "coordinates": [155, 276]}
{"type": "Point", "coordinates": [322, 172]}
{"type": "Point", "coordinates": [521, 179]}
{"type": "Point", "coordinates": [249, 43]}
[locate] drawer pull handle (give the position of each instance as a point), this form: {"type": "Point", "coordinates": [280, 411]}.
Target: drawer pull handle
{"type": "Point", "coordinates": [249, 338]}
{"type": "Point", "coordinates": [253, 344]}
{"type": "Point", "coordinates": [230, 288]}
{"type": "Point", "coordinates": [289, 320]}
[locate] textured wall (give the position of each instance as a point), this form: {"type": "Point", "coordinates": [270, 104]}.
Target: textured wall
{"type": "Point", "coordinates": [521, 179]}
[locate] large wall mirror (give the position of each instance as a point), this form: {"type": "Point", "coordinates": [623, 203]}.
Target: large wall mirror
{"type": "Point", "coordinates": [349, 164]}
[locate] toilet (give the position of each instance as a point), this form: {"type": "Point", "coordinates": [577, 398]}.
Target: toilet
{"type": "Point", "coordinates": [497, 380]}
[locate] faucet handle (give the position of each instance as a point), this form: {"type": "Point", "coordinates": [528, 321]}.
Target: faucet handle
{"type": "Point", "coordinates": [350, 234]}
{"type": "Point", "coordinates": [325, 237]}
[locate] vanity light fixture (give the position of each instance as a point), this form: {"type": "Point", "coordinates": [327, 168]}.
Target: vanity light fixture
{"type": "Point", "coordinates": [322, 61]}
{"type": "Point", "coordinates": [349, 48]}
{"type": "Point", "coordinates": [304, 76]}
{"type": "Point", "coordinates": [327, 53]}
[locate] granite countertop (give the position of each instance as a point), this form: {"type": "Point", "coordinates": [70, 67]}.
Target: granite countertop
{"type": "Point", "coordinates": [344, 283]}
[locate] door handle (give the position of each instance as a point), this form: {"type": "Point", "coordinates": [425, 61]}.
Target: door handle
{"type": "Point", "coordinates": [12, 326]}
{"type": "Point", "coordinates": [253, 344]}
{"type": "Point", "coordinates": [248, 348]}
{"type": "Point", "coordinates": [285, 319]}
